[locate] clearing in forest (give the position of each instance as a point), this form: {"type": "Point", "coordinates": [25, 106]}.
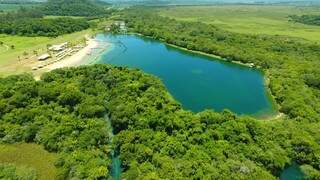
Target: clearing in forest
{"type": "Point", "coordinates": [30, 156]}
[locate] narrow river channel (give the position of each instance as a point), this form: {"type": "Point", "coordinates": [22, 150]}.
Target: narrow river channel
{"type": "Point", "coordinates": [116, 164]}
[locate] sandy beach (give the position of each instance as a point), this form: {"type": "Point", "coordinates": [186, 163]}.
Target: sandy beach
{"type": "Point", "coordinates": [77, 58]}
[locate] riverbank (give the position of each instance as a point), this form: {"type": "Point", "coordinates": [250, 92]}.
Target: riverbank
{"type": "Point", "coordinates": [250, 65]}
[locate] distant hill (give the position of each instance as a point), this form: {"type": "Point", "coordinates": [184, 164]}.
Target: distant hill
{"type": "Point", "coordinates": [20, 1]}
{"type": "Point", "coordinates": [74, 7]}
{"type": "Point", "coordinates": [198, 2]}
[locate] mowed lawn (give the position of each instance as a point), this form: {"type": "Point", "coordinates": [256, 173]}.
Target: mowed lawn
{"type": "Point", "coordinates": [9, 57]}
{"type": "Point", "coordinates": [251, 19]}
{"type": "Point", "coordinates": [30, 155]}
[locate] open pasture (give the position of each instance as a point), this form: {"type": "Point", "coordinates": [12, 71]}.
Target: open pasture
{"type": "Point", "coordinates": [249, 19]}
{"type": "Point", "coordinates": [30, 156]}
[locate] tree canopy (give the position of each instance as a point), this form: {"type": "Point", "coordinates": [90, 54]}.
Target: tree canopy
{"type": "Point", "coordinates": [30, 22]}
{"type": "Point", "coordinates": [74, 8]}
{"type": "Point", "coordinates": [306, 19]}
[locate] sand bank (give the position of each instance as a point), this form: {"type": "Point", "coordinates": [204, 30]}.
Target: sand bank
{"type": "Point", "coordinates": [77, 58]}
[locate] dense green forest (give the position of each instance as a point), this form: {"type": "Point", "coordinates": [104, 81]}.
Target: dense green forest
{"type": "Point", "coordinates": [66, 113]}
{"type": "Point", "coordinates": [30, 22]}
{"type": "Point", "coordinates": [306, 19]}
{"type": "Point", "coordinates": [74, 8]}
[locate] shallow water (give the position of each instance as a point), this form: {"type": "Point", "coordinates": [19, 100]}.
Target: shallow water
{"type": "Point", "coordinates": [198, 82]}
{"type": "Point", "coordinates": [115, 169]}
{"type": "Point", "coordinates": [292, 172]}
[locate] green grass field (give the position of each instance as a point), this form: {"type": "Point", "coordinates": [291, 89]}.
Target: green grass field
{"type": "Point", "coordinates": [9, 62]}
{"type": "Point", "coordinates": [32, 156]}
{"type": "Point", "coordinates": [251, 19]}
{"type": "Point", "coordinates": [3, 49]}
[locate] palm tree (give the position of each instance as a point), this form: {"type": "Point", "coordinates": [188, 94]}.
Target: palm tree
{"type": "Point", "coordinates": [35, 52]}
{"type": "Point", "coordinates": [12, 46]}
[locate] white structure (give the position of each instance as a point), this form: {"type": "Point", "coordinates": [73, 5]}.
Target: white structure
{"type": "Point", "coordinates": [58, 47]}
{"type": "Point", "coordinates": [44, 57]}
{"type": "Point", "coordinates": [121, 25]}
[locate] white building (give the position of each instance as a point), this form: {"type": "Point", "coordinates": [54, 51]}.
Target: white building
{"type": "Point", "coordinates": [44, 57]}
{"type": "Point", "coordinates": [59, 47]}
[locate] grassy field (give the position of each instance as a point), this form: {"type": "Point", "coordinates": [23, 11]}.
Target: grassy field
{"type": "Point", "coordinates": [252, 19]}
{"type": "Point", "coordinates": [24, 48]}
{"type": "Point", "coordinates": [30, 155]}
{"type": "Point", "coordinates": [3, 49]}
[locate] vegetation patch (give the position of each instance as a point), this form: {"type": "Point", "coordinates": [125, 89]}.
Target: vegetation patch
{"type": "Point", "coordinates": [307, 19]}
{"type": "Point", "coordinates": [27, 159]}
{"type": "Point", "coordinates": [66, 117]}
{"type": "Point", "coordinates": [74, 8]}
{"type": "Point", "coordinates": [10, 171]}
{"type": "Point", "coordinates": [31, 23]}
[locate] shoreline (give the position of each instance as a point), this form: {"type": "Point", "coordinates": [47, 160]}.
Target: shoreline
{"type": "Point", "coordinates": [266, 81]}
{"type": "Point", "coordinates": [76, 59]}
{"type": "Point", "coordinates": [250, 65]}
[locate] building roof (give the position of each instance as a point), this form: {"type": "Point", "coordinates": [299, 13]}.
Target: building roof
{"type": "Point", "coordinates": [58, 47]}
{"type": "Point", "coordinates": [44, 56]}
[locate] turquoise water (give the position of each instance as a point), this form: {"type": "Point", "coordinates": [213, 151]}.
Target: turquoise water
{"type": "Point", "coordinates": [198, 82]}
{"type": "Point", "coordinates": [115, 169]}
{"type": "Point", "coordinates": [293, 172]}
